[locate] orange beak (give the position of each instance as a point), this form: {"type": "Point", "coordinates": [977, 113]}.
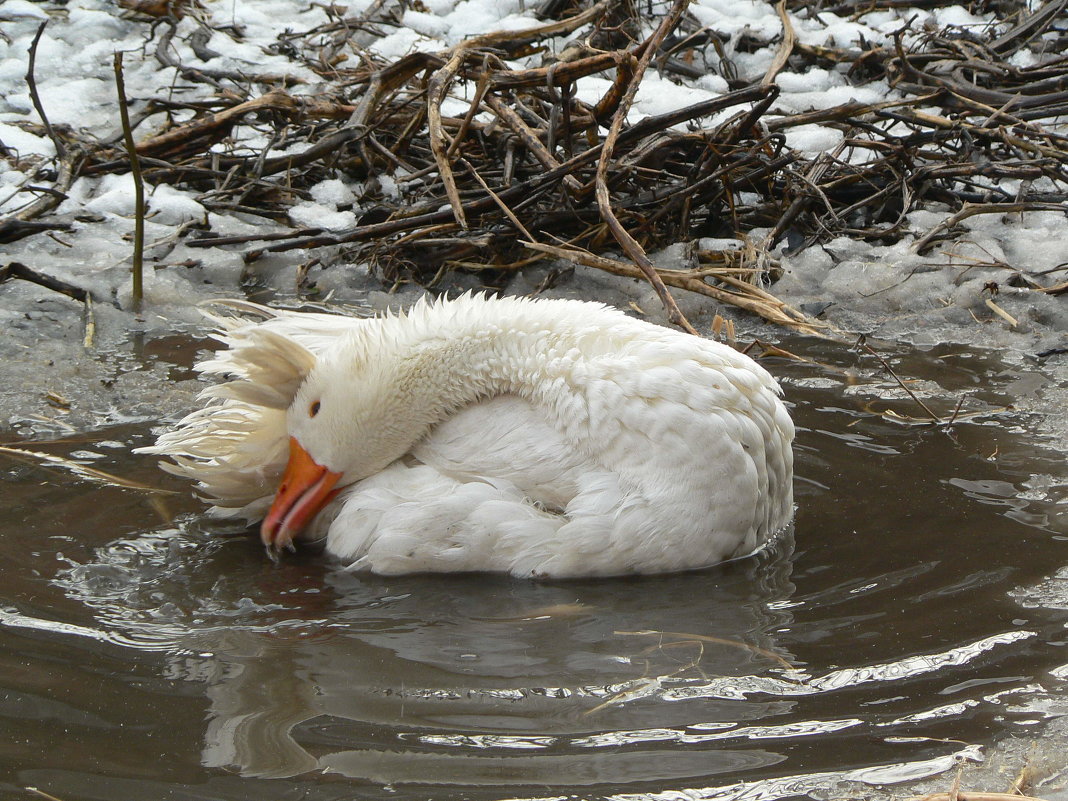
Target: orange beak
{"type": "Point", "coordinates": [305, 489]}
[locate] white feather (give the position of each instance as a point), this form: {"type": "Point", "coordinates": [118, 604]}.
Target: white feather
{"type": "Point", "coordinates": [537, 437]}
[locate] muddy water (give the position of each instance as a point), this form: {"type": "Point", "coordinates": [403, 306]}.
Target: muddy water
{"type": "Point", "coordinates": [913, 616]}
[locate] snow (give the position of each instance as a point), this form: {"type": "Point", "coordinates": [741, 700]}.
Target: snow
{"type": "Point", "coordinates": [425, 24]}
{"type": "Point", "coordinates": [813, 139]}
{"type": "Point", "coordinates": [25, 143]}
{"type": "Point", "coordinates": [659, 95]}
{"type": "Point", "coordinates": [400, 43]}
{"type": "Point", "coordinates": [114, 194]}
{"type": "Point", "coordinates": [15, 9]}
{"type": "Point", "coordinates": [333, 191]}
{"type": "Point", "coordinates": [319, 215]}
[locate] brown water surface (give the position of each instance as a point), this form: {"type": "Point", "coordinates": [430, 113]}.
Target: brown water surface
{"type": "Point", "coordinates": [916, 613]}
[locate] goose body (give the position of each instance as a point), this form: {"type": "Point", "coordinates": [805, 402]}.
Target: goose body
{"type": "Point", "coordinates": [543, 438]}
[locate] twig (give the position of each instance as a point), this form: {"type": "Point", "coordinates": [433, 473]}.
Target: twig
{"type": "Point", "coordinates": [890, 370]}
{"type": "Point", "coordinates": [530, 139]}
{"type": "Point", "coordinates": [789, 38]}
{"type": "Point", "coordinates": [503, 206]}
{"type": "Point", "coordinates": [42, 794]}
{"type": "Point", "coordinates": [436, 90]}
{"type": "Point", "coordinates": [139, 189]}
{"type": "Point", "coordinates": [1000, 312]}
{"type": "Point", "coordinates": [956, 411]}
{"type": "Point", "coordinates": [16, 269]}
{"type": "Point", "coordinates": [756, 649]}
{"type": "Point", "coordinates": [974, 796]}
{"type": "Point", "coordinates": [604, 202]}
{"type": "Point", "coordinates": [90, 323]}
{"type": "Point", "coordinates": [748, 297]}
{"type": "Point", "coordinates": [31, 83]}
{"type": "Point", "coordinates": [84, 471]}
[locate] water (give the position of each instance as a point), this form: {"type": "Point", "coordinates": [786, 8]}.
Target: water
{"type": "Point", "coordinates": [917, 613]}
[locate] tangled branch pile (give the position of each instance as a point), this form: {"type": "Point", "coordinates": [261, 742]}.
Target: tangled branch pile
{"type": "Point", "coordinates": [470, 162]}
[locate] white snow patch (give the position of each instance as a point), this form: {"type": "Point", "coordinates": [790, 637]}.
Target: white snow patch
{"type": "Point", "coordinates": [76, 103]}
{"type": "Point", "coordinates": [838, 32]}
{"type": "Point", "coordinates": [733, 16]}
{"type": "Point", "coordinates": [318, 215]}
{"type": "Point", "coordinates": [115, 195]}
{"type": "Point", "coordinates": [389, 186]}
{"type": "Point", "coordinates": [13, 9]}
{"type": "Point", "coordinates": [811, 139]}
{"type": "Point", "coordinates": [958, 16]}
{"type": "Point", "coordinates": [815, 80]}
{"type": "Point", "coordinates": [25, 143]}
{"type": "Point", "coordinates": [658, 95]}
{"type": "Point", "coordinates": [426, 24]}
{"type": "Point", "coordinates": [400, 43]}
{"type": "Point", "coordinates": [711, 82]}
{"type": "Point", "coordinates": [332, 191]}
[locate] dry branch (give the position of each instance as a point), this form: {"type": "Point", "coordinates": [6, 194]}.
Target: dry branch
{"type": "Point", "coordinates": [604, 202]}
{"type": "Point", "coordinates": [741, 294]}
{"type": "Point", "coordinates": [975, 132]}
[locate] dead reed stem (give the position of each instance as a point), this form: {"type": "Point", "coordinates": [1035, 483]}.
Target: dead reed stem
{"type": "Point", "coordinates": [139, 189]}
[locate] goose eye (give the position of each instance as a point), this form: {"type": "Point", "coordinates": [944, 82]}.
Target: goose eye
{"type": "Point", "coordinates": [314, 409]}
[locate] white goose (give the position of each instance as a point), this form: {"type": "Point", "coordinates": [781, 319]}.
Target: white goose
{"type": "Point", "coordinates": [544, 438]}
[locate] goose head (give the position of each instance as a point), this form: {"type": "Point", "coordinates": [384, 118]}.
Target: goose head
{"type": "Point", "coordinates": [350, 416]}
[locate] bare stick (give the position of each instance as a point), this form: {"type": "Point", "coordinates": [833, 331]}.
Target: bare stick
{"type": "Point", "coordinates": [16, 269]}
{"type": "Point", "coordinates": [756, 649]}
{"type": "Point", "coordinates": [604, 201]}
{"type": "Point", "coordinates": [515, 123]}
{"type": "Point", "coordinates": [956, 411]}
{"type": "Point", "coordinates": [1000, 312]}
{"type": "Point", "coordinates": [435, 94]}
{"type": "Point", "coordinates": [41, 793]}
{"type": "Point", "coordinates": [507, 211]}
{"type": "Point", "coordinates": [139, 188]}
{"type": "Point", "coordinates": [789, 38]}
{"type": "Point", "coordinates": [31, 83]}
{"type": "Point", "coordinates": [901, 383]}
{"type": "Point", "coordinates": [90, 323]}
{"type": "Point", "coordinates": [975, 796]}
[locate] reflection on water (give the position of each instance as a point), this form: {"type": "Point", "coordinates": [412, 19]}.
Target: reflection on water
{"type": "Point", "coordinates": [916, 612]}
